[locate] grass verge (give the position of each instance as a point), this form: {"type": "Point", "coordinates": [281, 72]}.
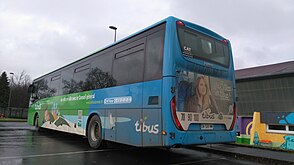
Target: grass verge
{"type": "Point", "coordinates": [12, 120]}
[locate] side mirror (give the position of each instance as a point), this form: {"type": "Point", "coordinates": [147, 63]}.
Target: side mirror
{"type": "Point", "coordinates": [31, 89]}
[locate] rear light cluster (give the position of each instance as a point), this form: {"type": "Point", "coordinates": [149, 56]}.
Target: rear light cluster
{"type": "Point", "coordinates": [235, 117]}
{"type": "Point", "coordinates": [180, 23]}
{"type": "Point", "coordinates": [174, 114]}
{"type": "Point", "coordinates": [225, 41]}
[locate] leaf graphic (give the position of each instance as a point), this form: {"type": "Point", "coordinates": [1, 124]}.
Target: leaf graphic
{"type": "Point", "coordinates": [61, 121]}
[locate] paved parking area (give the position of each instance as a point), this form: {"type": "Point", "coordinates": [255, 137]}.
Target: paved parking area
{"type": "Point", "coordinates": [21, 144]}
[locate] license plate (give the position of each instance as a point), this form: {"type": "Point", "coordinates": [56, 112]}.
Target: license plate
{"type": "Point", "coordinates": [206, 126]}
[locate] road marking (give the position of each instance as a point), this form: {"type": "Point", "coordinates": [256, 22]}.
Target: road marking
{"type": "Point", "coordinates": [57, 154]}
{"type": "Point", "coordinates": [198, 161]}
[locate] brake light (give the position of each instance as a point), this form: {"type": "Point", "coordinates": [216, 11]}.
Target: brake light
{"type": "Point", "coordinates": [225, 41]}
{"type": "Point", "coordinates": [180, 23]}
{"type": "Point", "coordinates": [174, 114]}
{"type": "Point", "coordinates": [235, 117]}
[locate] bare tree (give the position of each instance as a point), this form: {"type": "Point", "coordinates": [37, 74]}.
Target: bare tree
{"type": "Point", "coordinates": [19, 90]}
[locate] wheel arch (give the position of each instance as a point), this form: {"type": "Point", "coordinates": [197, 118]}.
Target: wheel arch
{"type": "Point", "coordinates": [36, 116]}
{"type": "Point", "coordinates": [88, 120]}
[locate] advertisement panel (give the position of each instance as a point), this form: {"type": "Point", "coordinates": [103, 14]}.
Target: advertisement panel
{"type": "Point", "coordinates": [204, 99]}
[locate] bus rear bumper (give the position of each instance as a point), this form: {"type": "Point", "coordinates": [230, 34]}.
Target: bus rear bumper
{"type": "Point", "coordinates": [209, 137]}
{"type": "Point", "coordinates": [194, 138]}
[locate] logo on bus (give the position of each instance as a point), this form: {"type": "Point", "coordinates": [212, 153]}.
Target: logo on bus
{"type": "Point", "coordinates": [118, 100]}
{"type": "Point", "coordinates": [142, 127]}
{"type": "Point", "coordinates": [38, 106]}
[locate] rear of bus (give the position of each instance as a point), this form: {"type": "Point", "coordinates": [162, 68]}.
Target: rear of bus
{"type": "Point", "coordinates": [199, 83]}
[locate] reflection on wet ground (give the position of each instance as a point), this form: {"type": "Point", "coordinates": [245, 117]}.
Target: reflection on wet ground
{"type": "Point", "coordinates": [21, 144]}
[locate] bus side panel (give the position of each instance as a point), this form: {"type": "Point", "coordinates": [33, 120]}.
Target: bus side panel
{"type": "Point", "coordinates": [127, 126]}
{"type": "Point", "coordinates": [151, 119]}
{"type": "Point", "coordinates": [123, 108]}
{"type": "Point", "coordinates": [62, 113]}
{"type": "Point", "coordinates": [151, 127]}
{"type": "Point", "coordinates": [174, 136]}
{"type": "Point", "coordinates": [109, 125]}
{"type": "Point", "coordinates": [152, 94]}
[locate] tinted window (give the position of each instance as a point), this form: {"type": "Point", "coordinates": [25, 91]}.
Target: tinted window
{"type": "Point", "coordinates": [103, 62]}
{"type": "Point", "coordinates": [67, 77]}
{"type": "Point", "coordinates": [55, 84]}
{"type": "Point", "coordinates": [80, 72]}
{"type": "Point", "coordinates": [97, 79]}
{"type": "Point", "coordinates": [129, 64]}
{"type": "Point", "coordinates": [197, 45]}
{"type": "Point", "coordinates": [42, 89]}
{"type": "Point", "coordinates": [120, 64]}
{"type": "Point", "coordinates": [76, 83]}
{"type": "Point", "coordinates": [206, 46]}
{"type": "Point", "coordinates": [154, 56]}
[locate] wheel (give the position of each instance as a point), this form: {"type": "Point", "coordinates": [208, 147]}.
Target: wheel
{"type": "Point", "coordinates": [36, 122]}
{"type": "Point", "coordinates": [94, 132]}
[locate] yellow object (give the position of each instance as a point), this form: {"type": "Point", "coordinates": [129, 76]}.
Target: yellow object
{"type": "Point", "coordinates": [260, 128]}
{"type": "Point", "coordinates": [247, 128]}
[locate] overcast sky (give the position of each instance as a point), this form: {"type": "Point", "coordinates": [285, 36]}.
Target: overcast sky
{"type": "Point", "coordinates": [39, 36]}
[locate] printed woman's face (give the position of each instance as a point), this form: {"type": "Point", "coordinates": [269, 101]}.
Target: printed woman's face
{"type": "Point", "coordinates": [202, 87]}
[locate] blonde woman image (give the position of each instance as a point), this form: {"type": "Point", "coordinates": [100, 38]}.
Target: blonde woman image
{"type": "Point", "coordinates": [201, 99]}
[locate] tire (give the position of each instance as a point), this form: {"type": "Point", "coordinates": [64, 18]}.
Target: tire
{"type": "Point", "coordinates": [94, 132]}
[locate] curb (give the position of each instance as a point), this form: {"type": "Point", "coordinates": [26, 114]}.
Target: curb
{"type": "Point", "coordinates": [243, 156]}
{"type": "Point", "coordinates": [263, 148]}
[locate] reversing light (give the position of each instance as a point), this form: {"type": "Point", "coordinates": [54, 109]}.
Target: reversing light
{"type": "Point", "coordinates": [180, 23]}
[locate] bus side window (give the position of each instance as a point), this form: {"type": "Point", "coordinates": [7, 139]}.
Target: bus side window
{"type": "Point", "coordinates": [80, 73]}
{"type": "Point", "coordinates": [43, 90]}
{"type": "Point", "coordinates": [100, 75]}
{"type": "Point", "coordinates": [128, 65]}
{"type": "Point", "coordinates": [55, 84]}
{"type": "Point", "coordinates": [154, 56]}
{"type": "Point", "coordinates": [67, 77]}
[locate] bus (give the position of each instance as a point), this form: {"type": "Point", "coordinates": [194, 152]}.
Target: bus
{"type": "Point", "coordinates": [169, 85]}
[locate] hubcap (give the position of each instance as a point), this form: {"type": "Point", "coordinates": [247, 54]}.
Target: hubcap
{"type": "Point", "coordinates": [95, 132]}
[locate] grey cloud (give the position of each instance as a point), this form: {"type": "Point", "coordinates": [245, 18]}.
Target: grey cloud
{"type": "Point", "coordinates": [40, 36]}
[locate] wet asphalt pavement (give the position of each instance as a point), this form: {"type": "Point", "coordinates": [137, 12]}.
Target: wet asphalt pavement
{"type": "Point", "coordinates": [22, 144]}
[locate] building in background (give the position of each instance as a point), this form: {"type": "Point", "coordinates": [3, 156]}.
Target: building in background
{"type": "Point", "coordinates": [268, 91]}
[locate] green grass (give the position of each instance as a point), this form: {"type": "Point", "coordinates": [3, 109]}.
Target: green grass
{"type": "Point", "coordinates": [12, 120]}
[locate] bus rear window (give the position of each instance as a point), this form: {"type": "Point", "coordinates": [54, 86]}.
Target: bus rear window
{"type": "Point", "coordinates": [196, 45]}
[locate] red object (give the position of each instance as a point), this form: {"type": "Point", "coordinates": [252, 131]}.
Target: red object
{"type": "Point", "coordinates": [180, 23]}
{"type": "Point", "coordinates": [174, 114]}
{"type": "Point", "coordinates": [235, 117]}
{"type": "Point", "coordinates": [225, 41]}
{"type": "Point", "coordinates": [265, 141]}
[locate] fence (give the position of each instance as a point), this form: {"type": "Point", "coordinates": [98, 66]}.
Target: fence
{"type": "Point", "coordinates": [21, 113]}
